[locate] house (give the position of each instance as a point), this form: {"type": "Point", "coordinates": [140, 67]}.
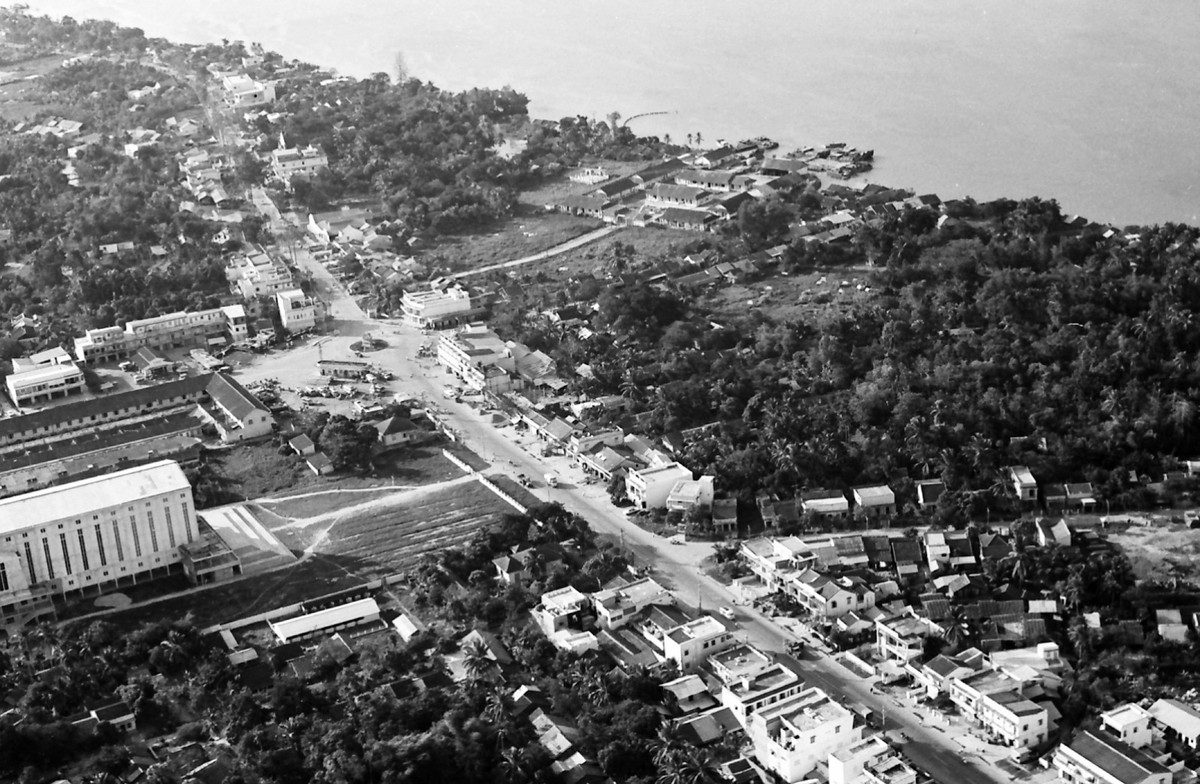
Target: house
{"type": "Point", "coordinates": [1177, 721]}
{"type": "Point", "coordinates": [869, 761]}
{"type": "Point", "coordinates": [1056, 533]}
{"type": "Point", "coordinates": [1130, 724]}
{"type": "Point", "coordinates": [793, 737]}
{"type": "Point", "coordinates": [397, 431]}
{"type": "Point", "coordinates": [929, 492]}
{"type": "Point", "coordinates": [235, 412]}
{"type": "Point", "coordinates": [937, 673]}
{"type": "Point", "coordinates": [825, 504]}
{"type": "Point", "coordinates": [689, 644]}
{"type": "Point", "coordinates": [319, 463]}
{"type": "Point", "coordinates": [617, 606]}
{"type": "Point", "coordinates": [907, 555]}
{"type": "Point", "coordinates": [1080, 496]}
{"type": "Point", "coordinates": [560, 611]}
{"type": "Point", "coordinates": [688, 694]}
{"type": "Point", "coordinates": [902, 637]}
{"type": "Point", "coordinates": [302, 445]}
{"type": "Point", "coordinates": [771, 559]}
{"type": "Point", "coordinates": [1096, 757]}
{"type": "Point", "coordinates": [688, 494]}
{"type": "Point", "coordinates": [714, 158]}
{"type": "Point", "coordinates": [827, 597]}
{"type": "Point", "coordinates": [993, 547]}
{"type": "Point", "coordinates": [686, 219]}
{"type": "Point", "coordinates": [675, 195]}
{"type": "Point", "coordinates": [874, 502]}
{"type": "Point", "coordinates": [362, 612]}
{"type": "Point", "coordinates": [756, 688]}
{"type": "Point", "coordinates": [1023, 484]}
{"type": "Point", "coordinates": [725, 516]}
{"type": "Point", "coordinates": [521, 566]}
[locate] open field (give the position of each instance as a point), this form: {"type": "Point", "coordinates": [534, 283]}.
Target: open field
{"type": "Point", "coordinates": [18, 83]}
{"type": "Point", "coordinates": [259, 470]}
{"type": "Point", "coordinates": [792, 297]}
{"type": "Point", "coordinates": [389, 533]}
{"type": "Point", "coordinates": [560, 186]}
{"type": "Point", "coordinates": [1161, 551]}
{"type": "Point", "coordinates": [584, 261]}
{"type": "Point", "coordinates": [531, 231]}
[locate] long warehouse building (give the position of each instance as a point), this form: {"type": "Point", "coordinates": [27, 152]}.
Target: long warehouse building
{"type": "Point", "coordinates": [90, 536]}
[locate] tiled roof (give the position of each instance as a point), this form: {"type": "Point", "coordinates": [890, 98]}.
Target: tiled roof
{"type": "Point", "coordinates": [233, 397]}
{"type": "Point", "coordinates": [935, 606]}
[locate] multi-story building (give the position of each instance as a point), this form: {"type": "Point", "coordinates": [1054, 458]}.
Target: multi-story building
{"type": "Point", "coordinates": [89, 535]}
{"type": "Point", "coordinates": [649, 487]}
{"type": "Point", "coordinates": [242, 92]}
{"type": "Point", "coordinates": [171, 330]}
{"type": "Point", "coordinates": [477, 356]}
{"type": "Point", "coordinates": [1130, 724]}
{"type": "Point", "coordinates": [901, 638]}
{"type": "Point", "coordinates": [693, 642]}
{"type": "Point", "coordinates": [288, 162]}
{"type": "Point", "coordinates": [793, 737]}
{"type": "Point", "coordinates": [1013, 720]}
{"type": "Point", "coordinates": [757, 689]}
{"type": "Point", "coordinates": [258, 275]}
{"type": "Point", "coordinates": [1096, 757]}
{"type": "Point", "coordinates": [561, 610]}
{"type": "Point", "coordinates": [771, 560]}
{"type": "Point", "coordinates": [688, 494]}
{"type": "Point", "coordinates": [616, 607]}
{"type": "Point", "coordinates": [436, 308]}
{"type": "Point", "coordinates": [1023, 484]}
{"type": "Point", "coordinates": [869, 761]}
{"type": "Point", "coordinates": [829, 597]}
{"type": "Point", "coordinates": [297, 310]}
{"type": "Point", "coordinates": [42, 383]}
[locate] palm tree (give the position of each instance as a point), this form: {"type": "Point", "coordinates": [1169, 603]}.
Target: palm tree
{"type": "Point", "coordinates": [667, 743]}
{"type": "Point", "coordinates": [476, 661]}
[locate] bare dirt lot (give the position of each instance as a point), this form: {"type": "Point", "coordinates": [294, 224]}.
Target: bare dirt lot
{"type": "Point", "coordinates": [1161, 551]}
{"type": "Point", "coordinates": [384, 534]}
{"type": "Point", "coordinates": [532, 231]}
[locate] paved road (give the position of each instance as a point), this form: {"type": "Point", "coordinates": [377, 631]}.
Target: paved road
{"type": "Point", "coordinates": [674, 565]}
{"type": "Point", "coordinates": [549, 253]}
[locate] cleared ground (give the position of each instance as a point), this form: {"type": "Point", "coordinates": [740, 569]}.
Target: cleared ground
{"type": "Point", "coordinates": [531, 231]}
{"type": "Point", "coordinates": [384, 534]}
{"type": "Point", "coordinates": [1160, 551]}
{"type": "Point", "coordinates": [792, 297]}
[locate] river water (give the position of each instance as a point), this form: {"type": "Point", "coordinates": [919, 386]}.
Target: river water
{"type": "Point", "coordinates": [1092, 102]}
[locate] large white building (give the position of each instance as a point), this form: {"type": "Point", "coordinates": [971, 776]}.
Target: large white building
{"type": "Point", "coordinates": [242, 92]}
{"type": "Point", "coordinates": [258, 275]}
{"type": "Point", "coordinates": [477, 356]}
{"type": "Point", "coordinates": [436, 308]}
{"type": "Point", "coordinates": [90, 535]}
{"type": "Point", "coordinates": [171, 330]}
{"type": "Point", "coordinates": [297, 310]}
{"type": "Point", "coordinates": [649, 487]}
{"type": "Point", "coordinates": [42, 383]}
{"type": "Point", "coordinates": [690, 644]}
{"type": "Point", "coordinates": [791, 738]}
{"type": "Point", "coordinates": [288, 162]}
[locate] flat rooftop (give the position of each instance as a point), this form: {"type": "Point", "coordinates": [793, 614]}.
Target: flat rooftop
{"type": "Point", "coordinates": [98, 492]}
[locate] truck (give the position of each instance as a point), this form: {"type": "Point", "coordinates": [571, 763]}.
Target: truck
{"type": "Point", "coordinates": [552, 480]}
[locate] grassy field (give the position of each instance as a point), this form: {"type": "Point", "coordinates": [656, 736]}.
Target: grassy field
{"type": "Point", "coordinates": [17, 90]}
{"type": "Point", "coordinates": [260, 470]}
{"type": "Point", "coordinates": [584, 261]}
{"type": "Point", "coordinates": [792, 297]}
{"type": "Point", "coordinates": [531, 231]}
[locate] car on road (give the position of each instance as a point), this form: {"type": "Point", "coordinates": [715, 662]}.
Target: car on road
{"type": "Point", "coordinates": [727, 613]}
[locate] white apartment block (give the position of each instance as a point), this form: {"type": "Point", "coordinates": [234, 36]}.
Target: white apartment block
{"type": "Point", "coordinates": [172, 330]}
{"type": "Point", "coordinates": [693, 642]}
{"type": "Point", "coordinates": [1096, 757]}
{"type": "Point", "coordinates": [288, 162]}
{"type": "Point", "coordinates": [92, 534]}
{"type": "Point", "coordinates": [1013, 720]}
{"type": "Point", "coordinates": [242, 92]}
{"type": "Point", "coordinates": [687, 494]}
{"type": "Point", "coordinates": [43, 383]}
{"type": "Point", "coordinates": [793, 737]}
{"type": "Point", "coordinates": [1129, 724]}
{"type": "Point", "coordinates": [757, 689]}
{"type": "Point", "coordinates": [258, 275]}
{"type": "Point", "coordinates": [648, 488]}
{"type": "Point", "coordinates": [297, 310]}
{"type": "Point", "coordinates": [478, 357]}
{"type": "Point", "coordinates": [436, 308]}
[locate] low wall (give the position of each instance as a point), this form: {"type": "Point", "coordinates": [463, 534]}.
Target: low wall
{"type": "Point", "coordinates": [483, 480]}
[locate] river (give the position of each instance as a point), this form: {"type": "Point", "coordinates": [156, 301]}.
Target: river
{"type": "Point", "coordinates": [1091, 102]}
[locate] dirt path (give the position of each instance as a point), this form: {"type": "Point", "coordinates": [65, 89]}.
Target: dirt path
{"type": "Point", "coordinates": [401, 496]}
{"type": "Point", "coordinates": [569, 245]}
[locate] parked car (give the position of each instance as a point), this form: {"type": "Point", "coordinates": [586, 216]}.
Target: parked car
{"type": "Point", "coordinates": [727, 613]}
